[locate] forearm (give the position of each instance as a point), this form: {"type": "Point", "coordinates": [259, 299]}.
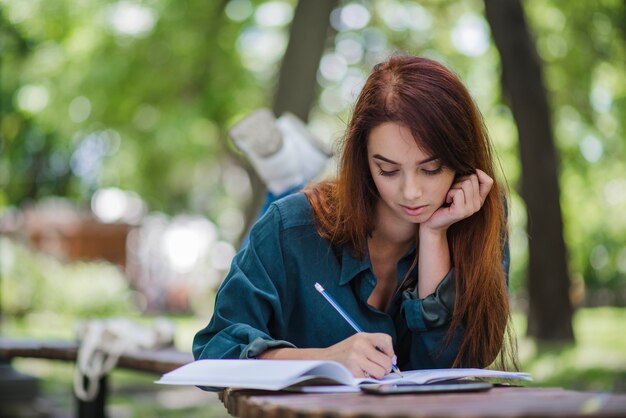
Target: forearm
{"type": "Point", "coordinates": [434, 260]}
{"type": "Point", "coordinates": [286, 353]}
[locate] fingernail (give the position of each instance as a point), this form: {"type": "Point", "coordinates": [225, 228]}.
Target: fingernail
{"type": "Point", "coordinates": [394, 360]}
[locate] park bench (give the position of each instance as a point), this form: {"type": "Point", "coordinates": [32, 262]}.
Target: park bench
{"type": "Point", "coordinates": [156, 361]}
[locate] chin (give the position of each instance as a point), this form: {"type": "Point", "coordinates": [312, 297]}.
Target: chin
{"type": "Point", "coordinates": [414, 219]}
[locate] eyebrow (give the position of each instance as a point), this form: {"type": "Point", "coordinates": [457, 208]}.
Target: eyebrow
{"type": "Point", "coordinates": [387, 160]}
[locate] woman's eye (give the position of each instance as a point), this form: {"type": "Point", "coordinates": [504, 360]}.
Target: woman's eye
{"type": "Point", "coordinates": [387, 173]}
{"type": "Point", "coordinates": [434, 171]}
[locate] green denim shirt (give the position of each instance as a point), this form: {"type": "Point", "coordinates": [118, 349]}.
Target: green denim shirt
{"type": "Point", "coordinates": [268, 298]}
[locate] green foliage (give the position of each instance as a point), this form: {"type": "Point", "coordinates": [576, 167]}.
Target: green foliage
{"type": "Point", "coordinates": [148, 103]}
{"type": "Point", "coordinates": [88, 101]}
{"type": "Point", "coordinates": [40, 287]}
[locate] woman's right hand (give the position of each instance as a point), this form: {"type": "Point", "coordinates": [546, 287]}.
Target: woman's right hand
{"type": "Point", "coordinates": [364, 354]}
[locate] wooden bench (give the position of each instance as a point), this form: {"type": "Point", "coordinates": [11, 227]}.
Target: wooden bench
{"type": "Point", "coordinates": [152, 361]}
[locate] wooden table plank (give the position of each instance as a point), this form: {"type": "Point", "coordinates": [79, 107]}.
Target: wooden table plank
{"type": "Point", "coordinates": [498, 402]}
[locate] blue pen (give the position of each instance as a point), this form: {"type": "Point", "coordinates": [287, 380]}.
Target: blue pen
{"type": "Point", "coordinates": [350, 321]}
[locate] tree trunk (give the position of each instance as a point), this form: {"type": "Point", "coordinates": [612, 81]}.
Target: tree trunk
{"type": "Point", "coordinates": [550, 309]}
{"type": "Point", "coordinates": [297, 84]}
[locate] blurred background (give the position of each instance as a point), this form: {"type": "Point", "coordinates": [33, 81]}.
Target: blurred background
{"type": "Point", "coordinates": [121, 194]}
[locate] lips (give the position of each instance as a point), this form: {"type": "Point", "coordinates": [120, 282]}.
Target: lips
{"type": "Point", "coordinates": [414, 210]}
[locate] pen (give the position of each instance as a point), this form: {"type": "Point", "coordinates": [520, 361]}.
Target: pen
{"type": "Point", "coordinates": [347, 317]}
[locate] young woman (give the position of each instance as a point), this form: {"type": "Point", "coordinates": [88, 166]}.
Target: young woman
{"type": "Point", "coordinates": [409, 238]}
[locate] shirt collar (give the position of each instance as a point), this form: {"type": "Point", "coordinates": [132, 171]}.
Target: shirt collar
{"type": "Point", "coordinates": [351, 266]}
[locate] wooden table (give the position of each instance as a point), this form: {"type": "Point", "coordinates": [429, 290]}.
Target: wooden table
{"type": "Point", "coordinates": [497, 402]}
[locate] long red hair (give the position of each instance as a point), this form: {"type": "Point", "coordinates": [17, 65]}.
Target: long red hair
{"type": "Point", "coordinates": [433, 103]}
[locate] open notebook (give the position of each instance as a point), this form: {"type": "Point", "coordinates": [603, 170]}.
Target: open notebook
{"type": "Point", "coordinates": [281, 374]}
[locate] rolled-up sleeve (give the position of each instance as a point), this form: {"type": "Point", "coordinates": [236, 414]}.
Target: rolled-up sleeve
{"type": "Point", "coordinates": [428, 321]}
{"type": "Point", "coordinates": [433, 311]}
{"type": "Point", "coordinates": [259, 345]}
{"type": "Point", "coordinates": [247, 309]}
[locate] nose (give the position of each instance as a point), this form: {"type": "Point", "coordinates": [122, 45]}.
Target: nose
{"type": "Point", "coordinates": [411, 187]}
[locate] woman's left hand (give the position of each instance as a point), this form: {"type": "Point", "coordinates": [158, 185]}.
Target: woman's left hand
{"type": "Point", "coordinates": [465, 197]}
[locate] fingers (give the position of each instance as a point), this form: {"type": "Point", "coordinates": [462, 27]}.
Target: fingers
{"type": "Point", "coordinates": [382, 342]}
{"type": "Point", "coordinates": [472, 195]}
{"type": "Point", "coordinates": [370, 355]}
{"type": "Point", "coordinates": [470, 191]}
{"type": "Point", "coordinates": [373, 369]}
{"type": "Point", "coordinates": [465, 197]}
{"type": "Point", "coordinates": [485, 184]}
{"type": "Point", "coordinates": [381, 357]}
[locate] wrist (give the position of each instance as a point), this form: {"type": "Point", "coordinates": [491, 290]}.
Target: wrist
{"type": "Point", "coordinates": [433, 247]}
{"type": "Point", "coordinates": [432, 234]}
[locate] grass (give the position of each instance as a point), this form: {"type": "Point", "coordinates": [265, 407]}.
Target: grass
{"type": "Point", "coordinates": [597, 362]}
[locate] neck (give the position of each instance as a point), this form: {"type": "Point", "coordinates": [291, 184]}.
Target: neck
{"type": "Point", "coordinates": [392, 233]}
